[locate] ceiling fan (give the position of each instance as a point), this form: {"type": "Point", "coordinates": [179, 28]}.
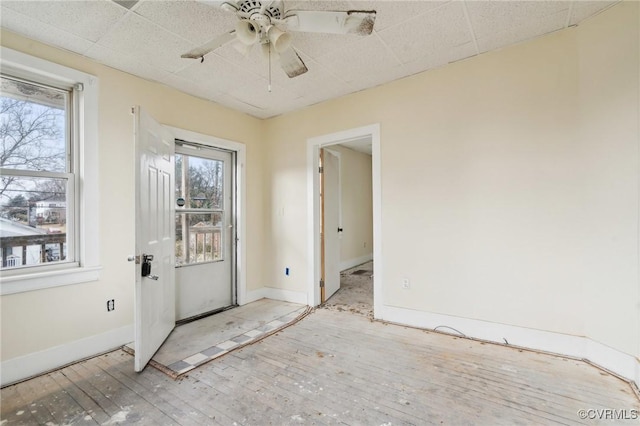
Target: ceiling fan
{"type": "Point", "coordinates": [267, 24]}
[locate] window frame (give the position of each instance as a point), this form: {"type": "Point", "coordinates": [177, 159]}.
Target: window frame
{"type": "Point", "coordinates": [84, 146]}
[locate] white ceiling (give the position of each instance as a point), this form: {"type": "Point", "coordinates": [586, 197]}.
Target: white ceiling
{"type": "Point", "coordinates": [409, 37]}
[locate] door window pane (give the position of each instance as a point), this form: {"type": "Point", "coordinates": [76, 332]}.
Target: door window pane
{"type": "Point", "coordinates": [198, 238]}
{"type": "Point", "coordinates": [199, 181]}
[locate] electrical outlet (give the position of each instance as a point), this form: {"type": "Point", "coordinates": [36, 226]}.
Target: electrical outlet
{"type": "Point", "coordinates": [405, 283]}
{"type": "Point", "coordinates": [111, 305]}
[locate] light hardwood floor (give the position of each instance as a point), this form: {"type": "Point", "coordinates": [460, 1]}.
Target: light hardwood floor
{"type": "Point", "coordinates": [330, 368]}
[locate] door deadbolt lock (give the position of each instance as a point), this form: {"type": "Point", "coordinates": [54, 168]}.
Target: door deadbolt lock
{"type": "Point", "coordinates": [146, 264]}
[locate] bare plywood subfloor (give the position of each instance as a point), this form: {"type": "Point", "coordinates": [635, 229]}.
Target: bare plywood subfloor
{"type": "Point", "coordinates": [330, 368]}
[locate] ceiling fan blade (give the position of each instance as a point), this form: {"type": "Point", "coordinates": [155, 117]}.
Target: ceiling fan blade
{"type": "Point", "coordinates": [358, 22]}
{"type": "Point", "coordinates": [291, 63]}
{"type": "Point", "coordinates": [209, 46]}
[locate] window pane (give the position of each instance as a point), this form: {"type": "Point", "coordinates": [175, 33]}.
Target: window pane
{"type": "Point", "coordinates": [32, 127]}
{"type": "Point", "coordinates": [200, 182]}
{"type": "Point", "coordinates": [33, 221]}
{"type": "Point", "coordinates": [198, 238]}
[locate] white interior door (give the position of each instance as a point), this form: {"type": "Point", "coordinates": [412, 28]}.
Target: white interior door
{"type": "Point", "coordinates": [331, 222]}
{"type": "Point", "coordinates": [155, 225]}
{"type": "Point", "coordinates": [205, 234]}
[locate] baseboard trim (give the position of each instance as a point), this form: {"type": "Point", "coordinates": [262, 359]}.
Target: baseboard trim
{"type": "Point", "coordinates": [276, 294]}
{"type": "Point", "coordinates": [620, 363]}
{"type": "Point", "coordinates": [27, 366]}
{"type": "Point", "coordinates": [348, 264]}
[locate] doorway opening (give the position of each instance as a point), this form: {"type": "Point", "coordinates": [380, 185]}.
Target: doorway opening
{"type": "Point", "coordinates": [328, 233]}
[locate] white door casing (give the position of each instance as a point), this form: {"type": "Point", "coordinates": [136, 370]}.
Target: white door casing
{"type": "Point", "coordinates": [331, 178]}
{"type": "Point", "coordinates": [314, 145]}
{"type": "Point", "coordinates": [155, 229]}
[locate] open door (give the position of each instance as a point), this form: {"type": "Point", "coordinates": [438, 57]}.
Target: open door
{"type": "Point", "coordinates": [155, 229]}
{"type": "Point", "coordinates": [330, 193]}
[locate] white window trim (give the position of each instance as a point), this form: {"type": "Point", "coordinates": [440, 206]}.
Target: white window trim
{"type": "Point", "coordinates": [87, 198]}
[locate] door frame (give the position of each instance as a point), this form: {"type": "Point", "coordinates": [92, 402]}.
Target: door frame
{"type": "Point", "coordinates": [239, 212]}
{"type": "Point", "coordinates": [323, 258]}
{"type": "Point", "coordinates": [313, 209]}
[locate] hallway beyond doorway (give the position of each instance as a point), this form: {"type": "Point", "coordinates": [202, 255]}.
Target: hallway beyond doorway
{"type": "Point", "coordinates": [356, 291]}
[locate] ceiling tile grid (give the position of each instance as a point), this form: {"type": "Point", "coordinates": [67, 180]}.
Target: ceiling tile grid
{"type": "Point", "coordinates": [148, 42]}
{"type": "Point", "coordinates": [89, 20]}
{"type": "Point", "coordinates": [38, 30]}
{"type": "Point", "coordinates": [146, 38]}
{"type": "Point", "coordinates": [438, 29]}
{"type": "Point", "coordinates": [196, 22]}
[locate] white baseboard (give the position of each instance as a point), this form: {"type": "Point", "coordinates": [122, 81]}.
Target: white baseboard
{"type": "Point", "coordinates": [276, 294]}
{"type": "Point", "coordinates": [348, 264]}
{"type": "Point", "coordinates": [23, 367]}
{"type": "Point", "coordinates": [618, 362]}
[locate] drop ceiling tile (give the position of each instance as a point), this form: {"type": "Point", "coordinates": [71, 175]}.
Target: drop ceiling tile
{"type": "Point", "coordinates": [76, 17]}
{"type": "Point", "coordinates": [318, 5]}
{"type": "Point", "coordinates": [526, 31]}
{"type": "Point", "coordinates": [216, 73]}
{"type": "Point", "coordinates": [36, 30]}
{"type": "Point", "coordinates": [318, 44]}
{"type": "Point", "coordinates": [191, 87]}
{"type": "Point", "coordinates": [491, 17]}
{"type": "Point", "coordinates": [148, 42]}
{"type": "Point", "coordinates": [317, 83]}
{"type": "Point", "coordinates": [256, 93]}
{"type": "Point", "coordinates": [586, 9]}
{"type": "Point", "coordinates": [359, 59]}
{"type": "Point", "coordinates": [194, 21]}
{"type": "Point", "coordinates": [441, 28]}
{"type": "Point", "coordinates": [126, 62]}
{"type": "Point", "coordinates": [233, 103]}
{"type": "Point", "coordinates": [394, 12]}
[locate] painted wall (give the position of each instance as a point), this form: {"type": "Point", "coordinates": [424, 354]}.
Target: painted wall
{"type": "Point", "coordinates": [356, 242]}
{"type": "Point", "coordinates": [40, 320]}
{"type": "Point", "coordinates": [509, 184]}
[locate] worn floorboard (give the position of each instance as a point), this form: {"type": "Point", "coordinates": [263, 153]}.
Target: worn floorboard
{"type": "Point", "coordinates": [332, 367]}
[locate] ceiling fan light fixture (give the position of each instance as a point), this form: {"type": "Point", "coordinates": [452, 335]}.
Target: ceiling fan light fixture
{"type": "Point", "coordinates": [280, 40]}
{"type": "Point", "coordinates": [248, 31]}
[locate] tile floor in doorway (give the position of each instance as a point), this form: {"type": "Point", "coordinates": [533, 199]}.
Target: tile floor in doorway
{"type": "Point", "coordinates": [193, 344]}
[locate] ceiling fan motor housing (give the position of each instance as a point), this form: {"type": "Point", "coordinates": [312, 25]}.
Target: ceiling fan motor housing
{"type": "Point", "coordinates": [248, 8]}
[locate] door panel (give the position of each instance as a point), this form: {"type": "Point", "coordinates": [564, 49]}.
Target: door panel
{"type": "Point", "coordinates": [205, 235]}
{"type": "Point", "coordinates": [331, 222]}
{"type": "Point", "coordinates": [154, 294]}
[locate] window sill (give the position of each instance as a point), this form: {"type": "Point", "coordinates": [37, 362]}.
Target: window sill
{"type": "Point", "coordinates": [39, 281]}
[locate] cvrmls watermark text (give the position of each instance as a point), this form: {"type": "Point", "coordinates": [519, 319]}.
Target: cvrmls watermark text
{"type": "Point", "coordinates": [608, 414]}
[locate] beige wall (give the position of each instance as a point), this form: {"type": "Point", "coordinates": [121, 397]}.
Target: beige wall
{"type": "Point", "coordinates": [509, 189]}
{"type": "Point", "coordinates": [356, 241]}
{"type": "Point", "coordinates": [509, 183]}
{"type": "Point", "coordinates": [39, 320]}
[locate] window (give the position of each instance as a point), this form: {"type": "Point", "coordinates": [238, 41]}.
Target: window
{"type": "Point", "coordinates": [36, 175]}
{"type": "Point", "coordinates": [48, 174]}
{"type": "Point", "coordinates": [199, 223]}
